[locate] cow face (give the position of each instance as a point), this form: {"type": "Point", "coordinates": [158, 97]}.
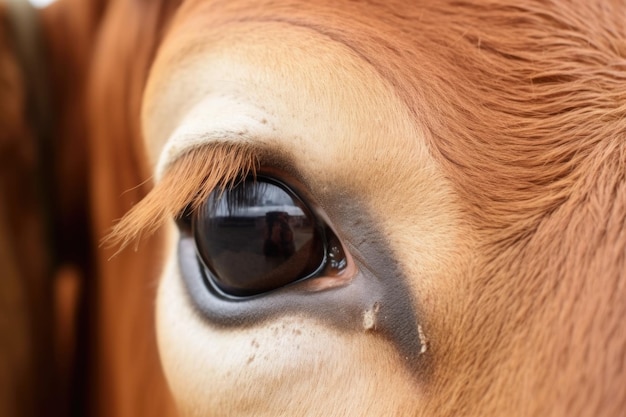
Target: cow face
{"type": "Point", "coordinates": [288, 95]}
{"type": "Point", "coordinates": [463, 162]}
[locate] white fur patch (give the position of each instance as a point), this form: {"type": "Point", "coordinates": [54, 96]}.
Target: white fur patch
{"type": "Point", "coordinates": [215, 119]}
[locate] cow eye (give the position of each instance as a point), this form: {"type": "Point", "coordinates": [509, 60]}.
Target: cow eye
{"type": "Point", "coordinates": [259, 236]}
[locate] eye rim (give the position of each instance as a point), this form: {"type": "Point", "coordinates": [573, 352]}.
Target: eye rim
{"type": "Point", "coordinates": [187, 224]}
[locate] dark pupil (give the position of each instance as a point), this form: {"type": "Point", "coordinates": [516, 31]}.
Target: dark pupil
{"type": "Point", "coordinates": [256, 237]}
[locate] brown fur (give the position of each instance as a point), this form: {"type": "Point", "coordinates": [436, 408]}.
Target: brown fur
{"type": "Point", "coordinates": [123, 375]}
{"type": "Point", "coordinates": [115, 370]}
{"type": "Point", "coordinates": [27, 357]}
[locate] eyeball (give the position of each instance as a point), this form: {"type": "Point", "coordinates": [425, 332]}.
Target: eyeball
{"type": "Point", "coordinates": [259, 236]}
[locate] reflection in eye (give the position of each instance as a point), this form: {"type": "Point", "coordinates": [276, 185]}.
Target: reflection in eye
{"type": "Point", "coordinates": [259, 236]}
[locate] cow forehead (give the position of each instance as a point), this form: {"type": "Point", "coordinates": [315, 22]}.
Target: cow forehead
{"type": "Point", "coordinates": [305, 93]}
{"type": "Point", "coordinates": [252, 77]}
